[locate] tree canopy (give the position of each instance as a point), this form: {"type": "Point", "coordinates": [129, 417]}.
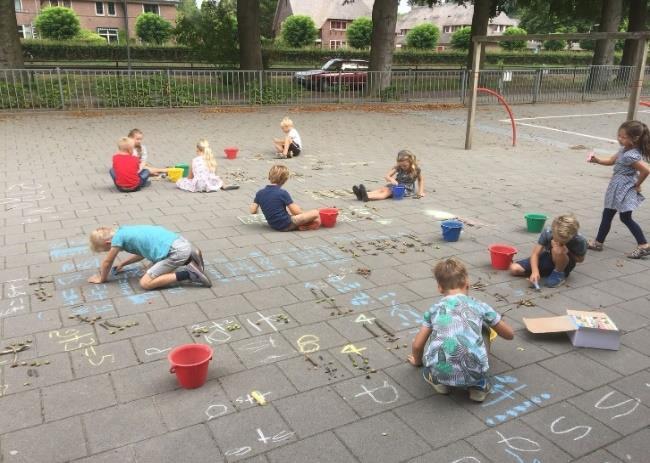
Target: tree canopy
{"type": "Point", "coordinates": [423, 36]}
{"type": "Point", "coordinates": [57, 23]}
{"type": "Point", "coordinates": [516, 44]}
{"type": "Point", "coordinates": [151, 28]}
{"type": "Point", "coordinates": [359, 33]}
{"type": "Point", "coordinates": [299, 31]}
{"type": "Point", "coordinates": [460, 39]}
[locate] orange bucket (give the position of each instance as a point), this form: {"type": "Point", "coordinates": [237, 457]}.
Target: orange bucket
{"type": "Point", "coordinates": [190, 363]}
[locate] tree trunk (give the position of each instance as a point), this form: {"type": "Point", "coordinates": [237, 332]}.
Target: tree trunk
{"type": "Point", "coordinates": [610, 19]}
{"type": "Point", "coordinates": [382, 43]}
{"type": "Point", "coordinates": [636, 22]}
{"type": "Point", "coordinates": [248, 28]}
{"type": "Point", "coordinates": [483, 10]}
{"type": "Point", "coordinates": [11, 51]}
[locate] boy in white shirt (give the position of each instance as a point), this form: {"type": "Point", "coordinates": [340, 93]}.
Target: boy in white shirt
{"type": "Point", "coordinates": [291, 144]}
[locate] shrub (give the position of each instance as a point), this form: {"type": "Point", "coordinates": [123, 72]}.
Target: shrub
{"type": "Point", "coordinates": [461, 39]}
{"type": "Point", "coordinates": [359, 33]}
{"type": "Point", "coordinates": [517, 44]}
{"type": "Point", "coordinates": [151, 28]}
{"type": "Point", "coordinates": [554, 45]}
{"type": "Point", "coordinates": [91, 37]}
{"type": "Point", "coordinates": [299, 31]}
{"type": "Point", "coordinates": [423, 36]}
{"type": "Point", "coordinates": [57, 23]}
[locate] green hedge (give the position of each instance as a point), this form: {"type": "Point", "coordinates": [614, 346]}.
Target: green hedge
{"type": "Point", "coordinates": [41, 50]}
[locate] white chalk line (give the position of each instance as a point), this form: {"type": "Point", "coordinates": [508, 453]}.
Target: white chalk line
{"type": "Point", "coordinates": [563, 116]}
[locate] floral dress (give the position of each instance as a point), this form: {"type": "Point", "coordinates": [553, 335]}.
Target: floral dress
{"type": "Point", "coordinates": [202, 179]}
{"type": "Point", "coordinates": [621, 194]}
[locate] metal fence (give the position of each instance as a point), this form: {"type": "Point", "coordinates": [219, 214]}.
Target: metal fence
{"type": "Point", "coordinates": [86, 89]}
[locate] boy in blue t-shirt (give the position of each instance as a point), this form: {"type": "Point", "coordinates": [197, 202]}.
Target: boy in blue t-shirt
{"type": "Point", "coordinates": [166, 250]}
{"type": "Point", "coordinates": [452, 343]}
{"type": "Point", "coordinates": [556, 253]}
{"type": "Point", "coordinates": [279, 210]}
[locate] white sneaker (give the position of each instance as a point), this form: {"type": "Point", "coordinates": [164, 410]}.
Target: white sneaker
{"type": "Point", "coordinates": [442, 389]}
{"type": "Point", "coordinates": [479, 394]}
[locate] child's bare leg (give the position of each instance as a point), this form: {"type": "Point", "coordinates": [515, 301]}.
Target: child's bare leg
{"type": "Point", "coordinates": [155, 170]}
{"type": "Point", "coordinates": [306, 218]}
{"type": "Point", "coordinates": [279, 145]}
{"type": "Point", "coordinates": [560, 259]}
{"type": "Point", "coordinates": [517, 270]}
{"type": "Point", "coordinates": [381, 193]}
{"type": "Point", "coordinates": [147, 282]}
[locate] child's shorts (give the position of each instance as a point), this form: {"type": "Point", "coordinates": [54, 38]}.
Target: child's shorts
{"type": "Point", "coordinates": [294, 150]}
{"type": "Point", "coordinates": [179, 255]}
{"type": "Point", "coordinates": [546, 265]}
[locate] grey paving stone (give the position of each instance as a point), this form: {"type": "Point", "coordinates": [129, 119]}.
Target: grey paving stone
{"type": "Point", "coordinates": [270, 298]}
{"type": "Point", "coordinates": [621, 289]}
{"type": "Point", "coordinates": [148, 347]}
{"type": "Point", "coordinates": [143, 327]}
{"type": "Point", "coordinates": [26, 377]}
{"type": "Point", "coordinates": [541, 382]}
{"type": "Point", "coordinates": [310, 312]}
{"type": "Point", "coordinates": [353, 331]}
{"type": "Point", "coordinates": [268, 380]}
{"type": "Point", "coordinates": [123, 455]}
{"type": "Point", "coordinates": [459, 452]}
{"type": "Point", "coordinates": [592, 298]}
{"type": "Point", "coordinates": [571, 429]}
{"type": "Point", "coordinates": [299, 411]}
{"type": "Point", "coordinates": [618, 411]}
{"type": "Point", "coordinates": [378, 356]}
{"type": "Point", "coordinates": [638, 340]}
{"type": "Point", "coordinates": [633, 448]}
{"type": "Point", "coordinates": [382, 438]}
{"type": "Point", "coordinates": [225, 307]}
{"type": "Point", "coordinates": [77, 397]}
{"type": "Point", "coordinates": [20, 410]}
{"type": "Point", "coordinates": [635, 386]}
{"type": "Point", "coordinates": [518, 352]}
{"type": "Point", "coordinates": [181, 408]}
{"type": "Point", "coordinates": [231, 286]}
{"type": "Point", "coordinates": [516, 438]}
{"type": "Point", "coordinates": [191, 444]}
{"type": "Point", "coordinates": [325, 447]}
{"type": "Point", "coordinates": [410, 378]}
{"type": "Point", "coordinates": [22, 325]}
{"type": "Point", "coordinates": [304, 375]}
{"type": "Point", "coordinates": [580, 370]}
{"type": "Point", "coordinates": [372, 396]}
{"type": "Point", "coordinates": [59, 441]}
{"type": "Point", "coordinates": [185, 294]}
{"type": "Point", "coordinates": [266, 321]}
{"type": "Point", "coordinates": [173, 317]}
{"type": "Point", "coordinates": [600, 456]}
{"type": "Point", "coordinates": [625, 360]}
{"type": "Point", "coordinates": [102, 358]}
{"type": "Point", "coordinates": [142, 381]}
{"type": "Point", "coordinates": [139, 302]}
{"type": "Point", "coordinates": [122, 424]}
{"type": "Point", "coordinates": [261, 350]}
{"type": "Point", "coordinates": [312, 338]}
{"type": "Point", "coordinates": [250, 432]}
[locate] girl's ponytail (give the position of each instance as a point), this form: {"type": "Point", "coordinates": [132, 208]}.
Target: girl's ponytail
{"type": "Point", "coordinates": [644, 142]}
{"type": "Point", "coordinates": [640, 135]}
{"type": "Point", "coordinates": [204, 147]}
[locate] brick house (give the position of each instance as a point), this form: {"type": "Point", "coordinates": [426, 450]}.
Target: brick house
{"type": "Point", "coordinates": [102, 17]}
{"type": "Point", "coordinates": [448, 17]}
{"type": "Point", "coordinates": [331, 17]}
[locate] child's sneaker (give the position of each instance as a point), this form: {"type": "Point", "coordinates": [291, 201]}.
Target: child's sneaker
{"type": "Point", "coordinates": [442, 389]}
{"type": "Point", "coordinates": [555, 279]}
{"type": "Point", "coordinates": [639, 253]}
{"type": "Point", "coordinates": [197, 257]}
{"type": "Point", "coordinates": [479, 394]}
{"type": "Point", "coordinates": [197, 276]}
{"type": "Point", "coordinates": [364, 193]}
{"type": "Point", "coordinates": [357, 192]}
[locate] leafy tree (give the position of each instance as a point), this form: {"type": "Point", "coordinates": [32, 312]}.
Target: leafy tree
{"type": "Point", "coordinates": [151, 28]}
{"type": "Point", "coordinates": [57, 23]}
{"type": "Point", "coordinates": [267, 14]}
{"type": "Point", "coordinates": [423, 36]}
{"type": "Point", "coordinates": [11, 52]}
{"type": "Point", "coordinates": [359, 33]}
{"type": "Point", "coordinates": [554, 45]}
{"type": "Point", "coordinates": [516, 45]}
{"type": "Point", "coordinates": [299, 31]}
{"type": "Point", "coordinates": [250, 44]}
{"type": "Point", "coordinates": [461, 39]}
{"type": "Point", "coordinates": [87, 36]}
{"type": "Point", "coordinates": [188, 22]}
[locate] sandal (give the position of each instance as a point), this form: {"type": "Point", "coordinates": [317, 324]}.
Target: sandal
{"type": "Point", "coordinates": [638, 253]}
{"type": "Point", "coordinates": [594, 245]}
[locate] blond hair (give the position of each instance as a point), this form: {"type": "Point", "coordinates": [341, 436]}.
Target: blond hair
{"type": "Point", "coordinates": [565, 227]}
{"type": "Point", "coordinates": [450, 274]}
{"type": "Point", "coordinates": [125, 144]}
{"type": "Point", "coordinates": [279, 174]}
{"type": "Point", "coordinates": [286, 122]}
{"type": "Point", "coordinates": [406, 155]}
{"type": "Point", "coordinates": [203, 147]}
{"type": "Point", "coordinates": [99, 237]}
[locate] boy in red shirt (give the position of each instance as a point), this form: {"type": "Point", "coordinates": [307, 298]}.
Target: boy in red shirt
{"type": "Point", "coordinates": [126, 172]}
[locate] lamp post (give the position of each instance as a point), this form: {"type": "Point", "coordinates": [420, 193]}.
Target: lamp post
{"type": "Point", "coordinates": [126, 27]}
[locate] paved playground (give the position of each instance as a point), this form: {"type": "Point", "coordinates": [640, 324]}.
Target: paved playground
{"type": "Point", "coordinates": [290, 314]}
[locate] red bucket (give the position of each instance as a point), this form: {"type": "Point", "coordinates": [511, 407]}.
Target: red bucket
{"type": "Point", "coordinates": [231, 153]}
{"type": "Point", "coordinates": [190, 363]}
{"type": "Point", "coordinates": [328, 216]}
{"type": "Point", "coordinates": [501, 255]}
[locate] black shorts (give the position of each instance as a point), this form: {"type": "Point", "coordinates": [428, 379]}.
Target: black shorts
{"type": "Point", "coordinates": [294, 150]}
{"type": "Point", "coordinates": [546, 265]}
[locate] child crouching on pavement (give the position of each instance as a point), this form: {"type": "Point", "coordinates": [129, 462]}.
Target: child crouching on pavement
{"type": "Point", "coordinates": [456, 337]}
{"type": "Point", "coordinates": [166, 250]}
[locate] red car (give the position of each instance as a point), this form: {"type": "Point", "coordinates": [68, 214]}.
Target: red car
{"type": "Point", "coordinates": [352, 72]}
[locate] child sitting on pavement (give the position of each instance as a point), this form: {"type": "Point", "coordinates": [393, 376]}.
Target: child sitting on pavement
{"type": "Point", "coordinates": [126, 172]}
{"type": "Point", "coordinates": [281, 213]}
{"type": "Point", "coordinates": [455, 336]}
{"type": "Point", "coordinates": [141, 152]}
{"type": "Point", "coordinates": [291, 145]}
{"type": "Point", "coordinates": [406, 173]}
{"type": "Point", "coordinates": [166, 250]}
{"type": "Point", "coordinates": [556, 253]}
{"type": "Point", "coordinates": [203, 171]}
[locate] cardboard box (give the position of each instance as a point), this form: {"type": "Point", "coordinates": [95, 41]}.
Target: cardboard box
{"type": "Point", "coordinates": [585, 328]}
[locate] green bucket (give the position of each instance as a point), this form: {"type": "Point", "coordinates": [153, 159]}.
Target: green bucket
{"type": "Point", "coordinates": [185, 167]}
{"type": "Point", "coordinates": [535, 222]}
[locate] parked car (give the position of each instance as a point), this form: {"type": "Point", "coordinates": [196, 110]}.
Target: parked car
{"type": "Point", "coordinates": [352, 72]}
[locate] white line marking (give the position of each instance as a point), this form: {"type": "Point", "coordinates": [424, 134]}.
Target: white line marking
{"type": "Point", "coordinates": [609, 140]}
{"type": "Point", "coordinates": [569, 115]}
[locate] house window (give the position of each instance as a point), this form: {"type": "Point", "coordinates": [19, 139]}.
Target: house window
{"type": "Point", "coordinates": [446, 29]}
{"type": "Point", "coordinates": [110, 6]}
{"type": "Point", "coordinates": [334, 44]}
{"type": "Point", "coordinates": [149, 8]}
{"type": "Point", "coordinates": [99, 8]}
{"type": "Point", "coordinates": [403, 31]}
{"type": "Point", "coordinates": [26, 31]}
{"type": "Point", "coordinates": [19, 5]}
{"type": "Point", "coordinates": [109, 33]}
{"type": "Point", "coordinates": [338, 25]}
{"type": "Point", "coordinates": [64, 3]}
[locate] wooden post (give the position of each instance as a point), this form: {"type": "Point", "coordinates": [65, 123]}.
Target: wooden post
{"type": "Point", "coordinates": [476, 64]}
{"type": "Point", "coordinates": [637, 79]}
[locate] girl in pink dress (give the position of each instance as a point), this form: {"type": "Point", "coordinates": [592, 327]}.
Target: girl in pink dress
{"type": "Point", "coordinates": [202, 176]}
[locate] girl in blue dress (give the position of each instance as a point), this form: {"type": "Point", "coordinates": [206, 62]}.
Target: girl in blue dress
{"type": "Point", "coordinates": [624, 190]}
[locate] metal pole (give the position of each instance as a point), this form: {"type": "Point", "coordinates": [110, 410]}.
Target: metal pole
{"type": "Point", "coordinates": [58, 74]}
{"type": "Point", "coordinates": [476, 63]}
{"type": "Point", "coordinates": [637, 81]}
{"type": "Point", "coordinates": [126, 28]}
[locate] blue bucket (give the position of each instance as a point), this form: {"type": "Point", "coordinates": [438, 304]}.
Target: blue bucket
{"type": "Point", "coordinates": [398, 191]}
{"type": "Point", "coordinates": [451, 230]}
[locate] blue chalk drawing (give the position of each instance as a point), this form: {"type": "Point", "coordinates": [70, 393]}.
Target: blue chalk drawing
{"type": "Point", "coordinates": [504, 388]}
{"type": "Point", "coordinates": [70, 296]}
{"type": "Point", "coordinates": [88, 264]}
{"type": "Point", "coordinates": [69, 279]}
{"type": "Point", "coordinates": [141, 298]}
{"type": "Point", "coordinates": [66, 253]}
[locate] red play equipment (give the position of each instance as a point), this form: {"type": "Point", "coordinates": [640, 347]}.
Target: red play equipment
{"type": "Point", "coordinates": [505, 105]}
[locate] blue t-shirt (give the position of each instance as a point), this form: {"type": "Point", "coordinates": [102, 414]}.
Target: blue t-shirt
{"type": "Point", "coordinates": [456, 353]}
{"type": "Point", "coordinates": [149, 241]}
{"type": "Point", "coordinates": [576, 245]}
{"type": "Point", "coordinates": [274, 201]}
